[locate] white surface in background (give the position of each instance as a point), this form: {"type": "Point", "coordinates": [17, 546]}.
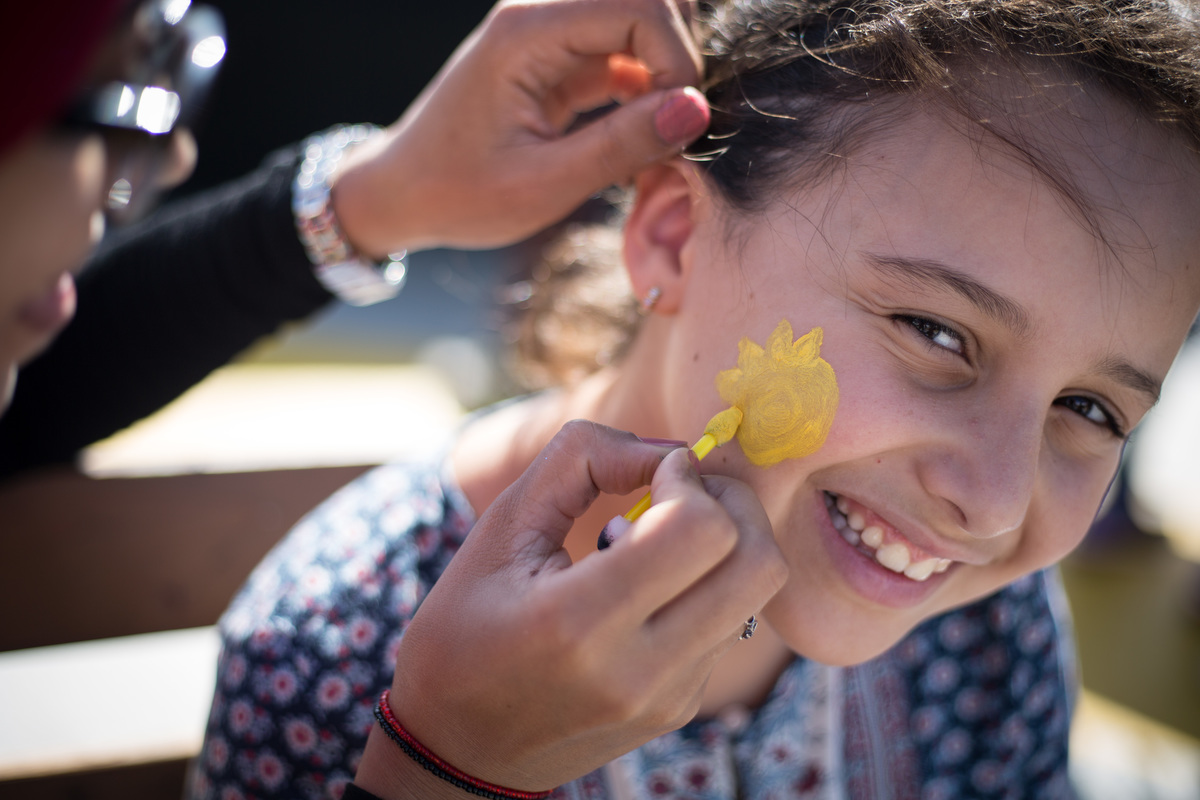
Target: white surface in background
{"type": "Point", "coordinates": [1164, 466]}
{"type": "Point", "coordinates": [268, 416]}
{"type": "Point", "coordinates": [1117, 754]}
{"type": "Point", "coordinates": [131, 699]}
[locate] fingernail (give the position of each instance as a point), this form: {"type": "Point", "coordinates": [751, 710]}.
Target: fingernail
{"type": "Point", "coordinates": [682, 118]}
{"type": "Point", "coordinates": [615, 528]}
{"type": "Point", "coordinates": [695, 459]}
{"type": "Point", "coordinates": [663, 442]}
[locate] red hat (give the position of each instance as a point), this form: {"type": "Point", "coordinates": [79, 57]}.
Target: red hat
{"type": "Point", "coordinates": [45, 51]}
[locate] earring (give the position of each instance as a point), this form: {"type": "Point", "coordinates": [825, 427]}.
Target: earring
{"type": "Point", "coordinates": [650, 300]}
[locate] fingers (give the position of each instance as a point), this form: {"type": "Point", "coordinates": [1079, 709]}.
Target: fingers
{"type": "Point", "coordinates": [714, 613]}
{"type": "Point", "coordinates": [652, 31]}
{"type": "Point", "coordinates": [679, 539]}
{"type": "Point", "coordinates": [700, 561]}
{"type": "Point", "coordinates": [581, 461]}
{"type": "Point", "coordinates": [613, 149]}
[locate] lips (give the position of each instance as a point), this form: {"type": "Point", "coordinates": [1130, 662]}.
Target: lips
{"type": "Point", "coordinates": [874, 537]}
{"type": "Point", "coordinates": [49, 311]}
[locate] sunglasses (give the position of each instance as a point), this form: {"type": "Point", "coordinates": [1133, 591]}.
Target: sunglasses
{"type": "Point", "coordinates": [150, 82]}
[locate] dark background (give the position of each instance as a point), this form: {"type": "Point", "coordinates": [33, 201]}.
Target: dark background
{"type": "Point", "coordinates": [294, 67]}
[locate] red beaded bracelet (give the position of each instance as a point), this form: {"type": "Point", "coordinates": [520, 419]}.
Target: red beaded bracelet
{"type": "Point", "coordinates": [427, 759]}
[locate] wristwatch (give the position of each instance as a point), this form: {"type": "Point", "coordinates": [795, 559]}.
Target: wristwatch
{"type": "Point", "coordinates": [350, 277]}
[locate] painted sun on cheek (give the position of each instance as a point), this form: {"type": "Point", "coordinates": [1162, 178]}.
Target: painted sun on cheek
{"type": "Point", "coordinates": [786, 392]}
{"type": "Point", "coordinates": [781, 397]}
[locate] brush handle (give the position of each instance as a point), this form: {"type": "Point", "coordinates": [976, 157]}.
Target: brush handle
{"type": "Point", "coordinates": [701, 449]}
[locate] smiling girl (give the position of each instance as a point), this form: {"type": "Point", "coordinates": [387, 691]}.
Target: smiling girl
{"type": "Point", "coordinates": [989, 208]}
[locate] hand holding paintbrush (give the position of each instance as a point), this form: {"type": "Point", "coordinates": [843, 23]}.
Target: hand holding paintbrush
{"type": "Point", "coordinates": [782, 401]}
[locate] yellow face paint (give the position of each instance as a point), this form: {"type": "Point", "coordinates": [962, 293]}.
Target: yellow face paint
{"type": "Point", "coordinates": [781, 403]}
{"type": "Point", "coordinates": [787, 394]}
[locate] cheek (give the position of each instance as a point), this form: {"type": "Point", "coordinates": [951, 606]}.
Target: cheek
{"type": "Point", "coordinates": [1058, 519]}
{"type": "Point", "coordinates": [50, 192]}
{"type": "Point", "coordinates": [1074, 490]}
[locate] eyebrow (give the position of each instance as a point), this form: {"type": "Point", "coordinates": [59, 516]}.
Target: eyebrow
{"type": "Point", "coordinates": [927, 273]}
{"type": "Point", "coordinates": [1124, 372]}
{"type": "Point", "coordinates": [938, 276]}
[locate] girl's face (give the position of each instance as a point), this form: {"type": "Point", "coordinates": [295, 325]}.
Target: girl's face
{"type": "Point", "coordinates": [991, 355]}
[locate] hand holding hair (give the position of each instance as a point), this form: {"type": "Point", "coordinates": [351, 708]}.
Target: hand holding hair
{"type": "Point", "coordinates": [527, 671]}
{"type": "Point", "coordinates": [490, 154]}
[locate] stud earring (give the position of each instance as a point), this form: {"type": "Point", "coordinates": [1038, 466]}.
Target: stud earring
{"type": "Point", "coordinates": [650, 300]}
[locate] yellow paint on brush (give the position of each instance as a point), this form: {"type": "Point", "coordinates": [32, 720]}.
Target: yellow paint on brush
{"type": "Point", "coordinates": [787, 393]}
{"type": "Point", "coordinates": [719, 430]}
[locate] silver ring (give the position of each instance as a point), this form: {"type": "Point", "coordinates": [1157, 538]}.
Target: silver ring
{"type": "Point", "coordinates": [751, 627]}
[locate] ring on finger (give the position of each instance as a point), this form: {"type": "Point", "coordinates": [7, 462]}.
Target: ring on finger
{"type": "Point", "coordinates": [751, 627]}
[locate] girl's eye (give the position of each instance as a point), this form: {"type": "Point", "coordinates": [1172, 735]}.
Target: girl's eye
{"type": "Point", "coordinates": [1093, 412]}
{"type": "Point", "coordinates": [937, 334]}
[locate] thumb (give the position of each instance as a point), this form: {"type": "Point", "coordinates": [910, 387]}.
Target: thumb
{"type": "Point", "coordinates": [583, 460]}
{"type": "Point", "coordinates": [652, 128]}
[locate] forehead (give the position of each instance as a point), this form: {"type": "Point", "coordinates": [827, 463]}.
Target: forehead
{"type": "Point", "coordinates": [1071, 190]}
{"type": "Point", "coordinates": [1105, 260]}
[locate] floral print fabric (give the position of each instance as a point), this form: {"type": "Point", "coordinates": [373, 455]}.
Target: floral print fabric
{"type": "Point", "coordinates": [973, 703]}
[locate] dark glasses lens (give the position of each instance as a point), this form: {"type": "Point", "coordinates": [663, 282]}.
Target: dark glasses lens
{"type": "Point", "coordinates": [152, 79]}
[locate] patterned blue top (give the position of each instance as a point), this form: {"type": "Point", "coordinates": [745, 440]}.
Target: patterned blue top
{"type": "Point", "coordinates": [972, 704]}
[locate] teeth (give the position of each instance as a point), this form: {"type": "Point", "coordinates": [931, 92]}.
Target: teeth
{"type": "Point", "coordinates": [893, 556]}
{"type": "Point", "coordinates": [872, 536]}
{"type": "Point", "coordinates": [921, 570]}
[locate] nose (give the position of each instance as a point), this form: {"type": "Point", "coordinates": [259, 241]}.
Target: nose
{"type": "Point", "coordinates": [987, 466]}
{"type": "Point", "coordinates": [179, 160]}
{"type": "Point", "coordinates": [140, 170]}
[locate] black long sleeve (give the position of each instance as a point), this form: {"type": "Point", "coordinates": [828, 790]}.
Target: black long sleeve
{"type": "Point", "coordinates": [161, 305]}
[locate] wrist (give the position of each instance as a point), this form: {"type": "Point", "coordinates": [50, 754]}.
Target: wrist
{"type": "Point", "coordinates": [385, 771]}
{"type": "Point", "coordinates": [404, 743]}
{"type": "Point", "coordinates": [375, 196]}
{"type": "Point", "coordinates": [338, 264]}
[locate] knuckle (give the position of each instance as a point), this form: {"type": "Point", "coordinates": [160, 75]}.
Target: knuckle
{"type": "Point", "coordinates": [573, 439]}
{"type": "Point", "coordinates": [511, 15]}
{"type": "Point", "coordinates": [556, 629]}
{"type": "Point", "coordinates": [775, 572]}
{"type": "Point", "coordinates": [617, 153]}
{"type": "Point", "coordinates": [681, 708]}
{"type": "Point", "coordinates": [684, 715]}
{"type": "Point", "coordinates": [712, 535]}
{"type": "Point", "coordinates": [715, 528]}
{"type": "Point", "coordinates": [722, 535]}
{"type": "Point", "coordinates": [618, 701]}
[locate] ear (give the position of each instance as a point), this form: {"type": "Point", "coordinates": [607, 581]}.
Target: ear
{"type": "Point", "coordinates": [659, 229]}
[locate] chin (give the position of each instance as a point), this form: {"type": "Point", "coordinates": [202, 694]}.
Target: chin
{"type": "Point", "coordinates": [838, 634]}
{"type": "Point", "coordinates": [842, 654]}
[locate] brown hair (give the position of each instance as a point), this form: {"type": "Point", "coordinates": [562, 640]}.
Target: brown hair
{"type": "Point", "coordinates": [794, 86]}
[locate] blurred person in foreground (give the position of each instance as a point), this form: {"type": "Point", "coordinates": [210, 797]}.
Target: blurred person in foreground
{"type": "Point", "coordinates": [101, 125]}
